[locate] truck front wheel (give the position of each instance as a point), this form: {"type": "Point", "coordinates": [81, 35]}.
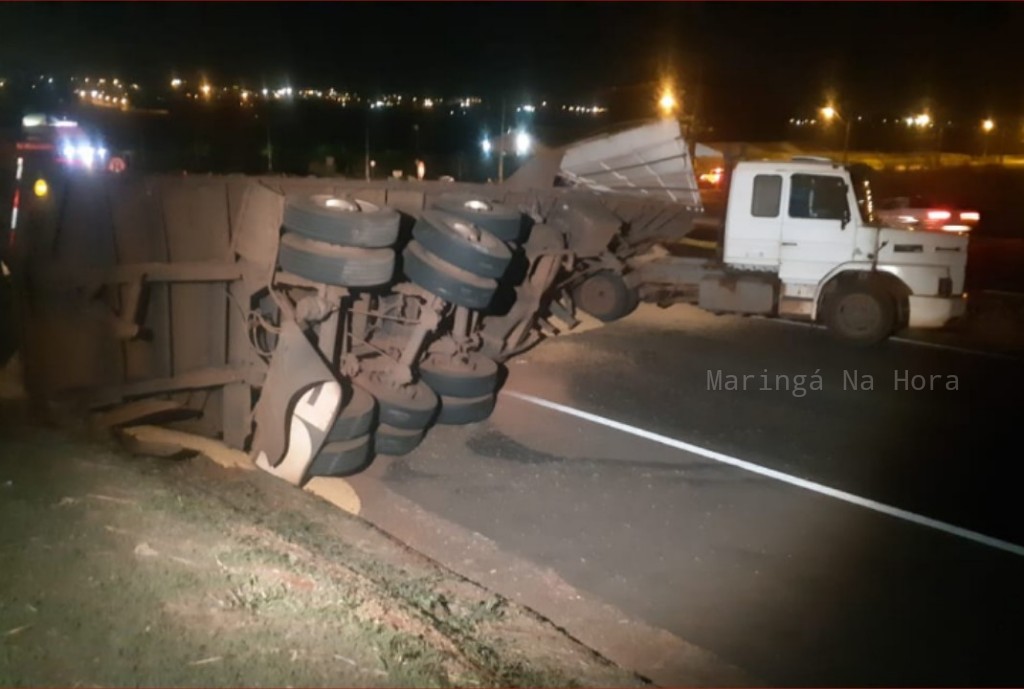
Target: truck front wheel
{"type": "Point", "coordinates": [605, 296]}
{"type": "Point", "coordinates": [861, 314]}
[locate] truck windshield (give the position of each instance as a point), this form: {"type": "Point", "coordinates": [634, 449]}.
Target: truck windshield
{"type": "Point", "coordinates": [860, 176]}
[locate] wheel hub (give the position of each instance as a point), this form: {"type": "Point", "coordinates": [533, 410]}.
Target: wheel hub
{"type": "Point", "coordinates": [596, 296]}
{"type": "Point", "coordinates": [477, 205]}
{"type": "Point", "coordinates": [859, 312]}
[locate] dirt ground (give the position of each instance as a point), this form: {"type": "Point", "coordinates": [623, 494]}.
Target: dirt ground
{"type": "Point", "coordinates": [122, 570]}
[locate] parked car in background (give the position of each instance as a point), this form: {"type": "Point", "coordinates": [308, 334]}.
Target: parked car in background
{"type": "Point", "coordinates": [922, 213]}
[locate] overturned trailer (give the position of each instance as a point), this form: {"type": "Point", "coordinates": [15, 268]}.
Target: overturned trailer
{"type": "Point", "coordinates": [316, 322]}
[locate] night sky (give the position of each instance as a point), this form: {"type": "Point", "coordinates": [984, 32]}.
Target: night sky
{"type": "Point", "coordinates": [772, 59]}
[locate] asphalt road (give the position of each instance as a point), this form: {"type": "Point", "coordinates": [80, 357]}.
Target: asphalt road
{"type": "Point", "coordinates": [772, 573]}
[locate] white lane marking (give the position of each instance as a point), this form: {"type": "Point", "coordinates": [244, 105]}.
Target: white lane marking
{"type": "Point", "coordinates": [774, 474]}
{"type": "Point", "coordinates": [904, 340]}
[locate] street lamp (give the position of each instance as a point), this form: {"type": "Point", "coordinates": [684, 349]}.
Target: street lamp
{"type": "Point", "coordinates": [829, 113]}
{"type": "Point", "coordinates": [988, 125]}
{"type": "Point", "coordinates": [667, 101]}
{"type": "Point", "coordinates": [923, 121]}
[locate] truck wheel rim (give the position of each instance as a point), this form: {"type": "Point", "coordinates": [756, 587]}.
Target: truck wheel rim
{"type": "Point", "coordinates": [859, 313]}
{"type": "Point", "coordinates": [596, 296]}
{"type": "Point", "coordinates": [477, 205]}
{"type": "Point", "coordinates": [336, 204]}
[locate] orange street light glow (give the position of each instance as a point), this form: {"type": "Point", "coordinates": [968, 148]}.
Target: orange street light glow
{"type": "Point", "coordinates": [667, 103]}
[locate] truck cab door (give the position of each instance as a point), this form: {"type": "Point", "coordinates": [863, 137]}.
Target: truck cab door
{"type": "Point", "coordinates": [817, 230]}
{"type": "Point", "coordinates": [753, 221]}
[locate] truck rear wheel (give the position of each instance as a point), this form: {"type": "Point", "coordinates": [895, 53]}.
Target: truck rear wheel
{"type": "Point", "coordinates": [389, 440]}
{"type": "Point", "coordinates": [409, 406]}
{"type": "Point", "coordinates": [503, 222]}
{"type": "Point", "coordinates": [456, 411]}
{"type": "Point", "coordinates": [356, 418]}
{"type": "Point", "coordinates": [605, 296]}
{"type": "Point", "coordinates": [462, 243]}
{"type": "Point", "coordinates": [341, 221]}
{"type": "Point", "coordinates": [473, 376]}
{"type": "Point", "coordinates": [342, 458]}
{"type": "Point", "coordinates": [861, 314]}
{"type": "Point", "coordinates": [441, 278]}
{"type": "Point", "coordinates": [335, 265]}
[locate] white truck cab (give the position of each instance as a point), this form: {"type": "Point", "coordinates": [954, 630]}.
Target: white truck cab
{"type": "Point", "coordinates": [808, 224]}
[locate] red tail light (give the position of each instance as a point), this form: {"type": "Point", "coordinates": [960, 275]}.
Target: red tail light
{"type": "Point", "coordinates": [939, 215]}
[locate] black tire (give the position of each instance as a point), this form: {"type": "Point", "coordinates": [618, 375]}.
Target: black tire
{"type": "Point", "coordinates": [503, 222]}
{"type": "Point", "coordinates": [396, 442]}
{"type": "Point", "coordinates": [335, 265]}
{"type": "Point", "coordinates": [456, 411]}
{"type": "Point", "coordinates": [410, 407]}
{"type": "Point", "coordinates": [342, 458]}
{"type": "Point", "coordinates": [476, 376]}
{"type": "Point", "coordinates": [860, 313]}
{"type": "Point", "coordinates": [341, 221]}
{"type": "Point", "coordinates": [451, 283]}
{"type": "Point", "coordinates": [605, 296]}
{"type": "Point", "coordinates": [463, 244]}
{"type": "Point", "coordinates": [356, 418]}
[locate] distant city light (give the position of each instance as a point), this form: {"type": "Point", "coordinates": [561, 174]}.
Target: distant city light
{"type": "Point", "coordinates": [921, 120]}
{"type": "Point", "coordinates": [988, 125]}
{"type": "Point", "coordinates": [175, 83]}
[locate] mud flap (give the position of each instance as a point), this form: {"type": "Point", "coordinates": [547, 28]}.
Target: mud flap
{"type": "Point", "coordinates": [298, 405]}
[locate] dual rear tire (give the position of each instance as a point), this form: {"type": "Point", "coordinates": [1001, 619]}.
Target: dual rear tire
{"type": "Point", "coordinates": [333, 240]}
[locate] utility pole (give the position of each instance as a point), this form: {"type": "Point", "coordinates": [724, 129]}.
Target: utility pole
{"type": "Point", "coordinates": [366, 162]}
{"type": "Point", "coordinates": [501, 146]}
{"type": "Point", "coordinates": [270, 151]}
{"type": "Point", "coordinates": [846, 138]}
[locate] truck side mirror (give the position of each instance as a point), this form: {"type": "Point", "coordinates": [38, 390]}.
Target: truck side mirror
{"type": "Point", "coordinates": [846, 217]}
